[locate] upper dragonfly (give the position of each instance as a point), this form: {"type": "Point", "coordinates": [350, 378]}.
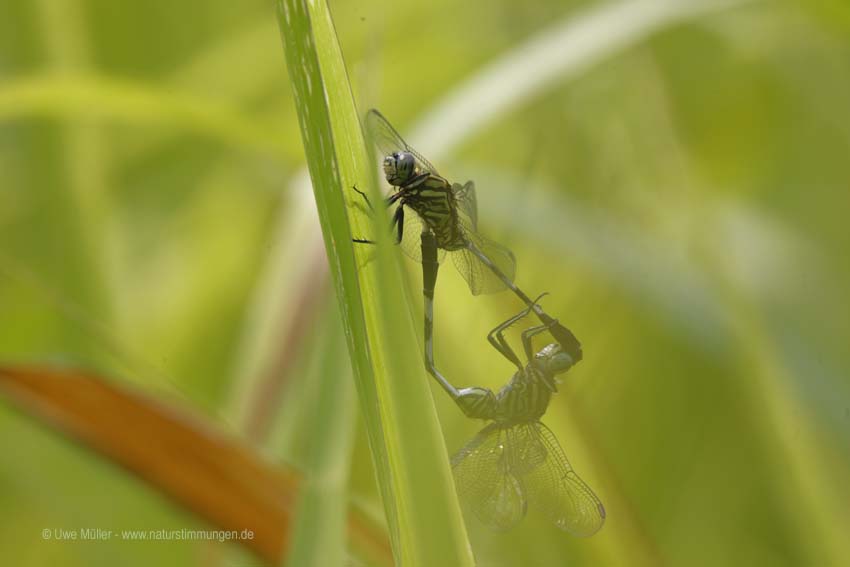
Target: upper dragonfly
{"type": "Point", "coordinates": [449, 210]}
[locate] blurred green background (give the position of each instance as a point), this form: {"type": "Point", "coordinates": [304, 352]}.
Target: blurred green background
{"type": "Point", "coordinates": [683, 198]}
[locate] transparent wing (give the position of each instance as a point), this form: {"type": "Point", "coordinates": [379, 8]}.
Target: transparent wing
{"type": "Point", "coordinates": [411, 238]}
{"type": "Point", "coordinates": [554, 488]}
{"type": "Point", "coordinates": [527, 453]}
{"type": "Point", "coordinates": [467, 204]}
{"type": "Point", "coordinates": [481, 263]}
{"type": "Point", "coordinates": [479, 273]}
{"type": "Point", "coordinates": [486, 482]}
{"type": "Point", "coordinates": [388, 140]}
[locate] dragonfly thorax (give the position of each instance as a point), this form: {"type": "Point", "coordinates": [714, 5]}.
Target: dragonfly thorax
{"type": "Point", "coordinates": [525, 397]}
{"type": "Point", "coordinates": [399, 168]}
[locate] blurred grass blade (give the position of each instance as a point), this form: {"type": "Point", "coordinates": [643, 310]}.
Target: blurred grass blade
{"type": "Point", "coordinates": [319, 533]}
{"type": "Point", "coordinates": [134, 103]}
{"type": "Point", "coordinates": [85, 161]}
{"type": "Point", "coordinates": [564, 50]}
{"type": "Point", "coordinates": [215, 477]}
{"type": "Point", "coordinates": [410, 458]}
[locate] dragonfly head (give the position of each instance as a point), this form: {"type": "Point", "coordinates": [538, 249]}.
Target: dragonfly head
{"type": "Point", "coordinates": [554, 359]}
{"type": "Point", "coordinates": [399, 167]}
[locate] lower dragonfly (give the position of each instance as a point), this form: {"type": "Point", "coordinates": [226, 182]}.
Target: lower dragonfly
{"type": "Point", "coordinates": [448, 213]}
{"type": "Point", "coordinates": [516, 459]}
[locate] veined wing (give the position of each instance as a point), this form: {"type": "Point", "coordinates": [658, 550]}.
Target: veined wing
{"type": "Point", "coordinates": [554, 488]}
{"type": "Point", "coordinates": [480, 263]}
{"type": "Point", "coordinates": [467, 204]}
{"type": "Point", "coordinates": [483, 263]}
{"type": "Point", "coordinates": [486, 482]}
{"type": "Point", "coordinates": [411, 238]}
{"type": "Point", "coordinates": [389, 141]}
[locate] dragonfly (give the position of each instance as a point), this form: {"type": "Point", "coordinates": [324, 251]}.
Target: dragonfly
{"type": "Point", "coordinates": [446, 214]}
{"type": "Point", "coordinates": [426, 201]}
{"type": "Point", "coordinates": [516, 459]}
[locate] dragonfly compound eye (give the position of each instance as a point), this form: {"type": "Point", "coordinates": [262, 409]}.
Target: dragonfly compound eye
{"type": "Point", "coordinates": [389, 166]}
{"type": "Point", "coordinates": [405, 164]}
{"type": "Point", "coordinates": [399, 167]}
{"type": "Point", "coordinates": [555, 359]}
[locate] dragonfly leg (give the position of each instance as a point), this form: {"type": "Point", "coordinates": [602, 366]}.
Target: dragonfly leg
{"type": "Point", "coordinates": [527, 337]}
{"type": "Point", "coordinates": [498, 341]}
{"type": "Point", "coordinates": [529, 334]}
{"type": "Point", "coordinates": [365, 197]}
{"type": "Point", "coordinates": [398, 223]}
{"type": "Point", "coordinates": [497, 338]}
{"type": "Point", "coordinates": [389, 201]}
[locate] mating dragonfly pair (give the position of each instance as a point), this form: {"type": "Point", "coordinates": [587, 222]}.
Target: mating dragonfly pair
{"type": "Point", "coordinates": [516, 459]}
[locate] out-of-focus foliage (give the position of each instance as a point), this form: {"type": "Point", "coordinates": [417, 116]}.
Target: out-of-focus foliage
{"type": "Point", "coordinates": [683, 199]}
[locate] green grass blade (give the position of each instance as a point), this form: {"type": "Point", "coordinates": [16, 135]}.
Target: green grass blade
{"type": "Point", "coordinates": [408, 450]}
{"type": "Point", "coordinates": [319, 532]}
